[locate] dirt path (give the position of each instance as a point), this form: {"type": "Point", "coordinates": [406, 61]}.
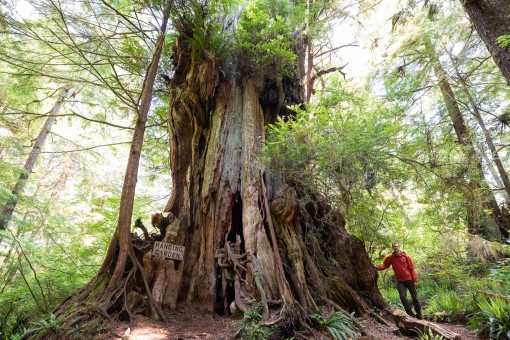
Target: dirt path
{"type": "Point", "coordinates": [186, 325]}
{"type": "Point", "coordinates": [182, 325]}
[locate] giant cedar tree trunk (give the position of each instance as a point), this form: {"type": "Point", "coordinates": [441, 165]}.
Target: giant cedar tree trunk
{"type": "Point", "coordinates": [247, 238]}
{"type": "Point", "coordinates": [491, 20]}
{"type": "Point", "coordinates": [216, 123]}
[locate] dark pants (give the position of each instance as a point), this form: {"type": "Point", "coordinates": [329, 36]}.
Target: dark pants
{"type": "Point", "coordinates": [401, 287]}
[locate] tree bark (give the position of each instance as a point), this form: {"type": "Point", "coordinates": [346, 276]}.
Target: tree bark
{"type": "Point", "coordinates": [491, 20]}
{"type": "Point", "coordinates": [479, 196]}
{"type": "Point", "coordinates": [9, 207]}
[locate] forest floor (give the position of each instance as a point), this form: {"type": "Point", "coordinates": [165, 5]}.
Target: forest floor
{"type": "Point", "coordinates": [188, 324]}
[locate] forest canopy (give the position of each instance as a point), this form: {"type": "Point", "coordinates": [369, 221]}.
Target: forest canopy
{"type": "Point", "coordinates": [281, 145]}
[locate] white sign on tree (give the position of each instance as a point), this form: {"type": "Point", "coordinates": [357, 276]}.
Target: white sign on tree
{"type": "Point", "coordinates": [169, 251]}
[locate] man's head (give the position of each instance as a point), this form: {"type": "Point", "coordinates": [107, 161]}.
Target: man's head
{"type": "Point", "coordinates": [396, 247]}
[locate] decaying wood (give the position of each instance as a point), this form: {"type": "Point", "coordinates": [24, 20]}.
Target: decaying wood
{"type": "Point", "coordinates": [409, 325]}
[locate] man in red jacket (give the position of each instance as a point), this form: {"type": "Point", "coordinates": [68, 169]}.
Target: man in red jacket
{"type": "Point", "coordinates": [406, 278]}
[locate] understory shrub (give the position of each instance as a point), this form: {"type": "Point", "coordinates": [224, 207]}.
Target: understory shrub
{"type": "Point", "coordinates": [445, 306]}
{"type": "Point", "coordinates": [493, 318]}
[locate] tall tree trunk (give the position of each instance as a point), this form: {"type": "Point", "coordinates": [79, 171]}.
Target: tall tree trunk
{"type": "Point", "coordinates": [479, 196]}
{"type": "Point", "coordinates": [309, 50]}
{"type": "Point", "coordinates": [431, 151]}
{"type": "Point", "coordinates": [116, 286]}
{"type": "Point", "coordinates": [491, 20]}
{"type": "Point", "coordinates": [309, 80]}
{"type": "Point", "coordinates": [488, 138]}
{"type": "Point", "coordinates": [120, 246]}
{"type": "Point", "coordinates": [494, 173]}
{"type": "Point", "coordinates": [9, 207]}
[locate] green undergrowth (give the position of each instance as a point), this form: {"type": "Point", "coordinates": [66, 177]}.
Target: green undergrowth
{"type": "Point", "coordinates": [340, 326]}
{"type": "Point", "coordinates": [252, 327]}
{"type": "Point", "coordinates": [464, 291]}
{"type": "Point", "coordinates": [337, 325]}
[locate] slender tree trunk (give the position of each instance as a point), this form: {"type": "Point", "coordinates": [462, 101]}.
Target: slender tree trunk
{"type": "Point", "coordinates": [480, 197]}
{"type": "Point", "coordinates": [309, 59]}
{"type": "Point", "coordinates": [488, 138]}
{"type": "Point", "coordinates": [120, 283]}
{"type": "Point", "coordinates": [494, 173]}
{"type": "Point", "coordinates": [491, 20]}
{"type": "Point", "coordinates": [430, 145]}
{"type": "Point", "coordinates": [398, 198]}
{"type": "Point", "coordinates": [121, 242]}
{"type": "Point", "coordinates": [309, 72]}
{"type": "Point", "coordinates": [32, 159]}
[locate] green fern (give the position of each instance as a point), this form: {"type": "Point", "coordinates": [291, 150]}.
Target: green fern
{"type": "Point", "coordinates": [445, 306]}
{"type": "Point", "coordinates": [391, 295]}
{"type": "Point", "coordinates": [339, 325]}
{"type": "Point", "coordinates": [493, 318]}
{"type": "Point", "coordinates": [50, 325]}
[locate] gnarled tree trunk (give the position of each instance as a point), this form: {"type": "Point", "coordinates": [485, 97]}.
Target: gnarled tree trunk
{"type": "Point", "coordinates": [288, 255]}
{"type": "Point", "coordinates": [248, 239]}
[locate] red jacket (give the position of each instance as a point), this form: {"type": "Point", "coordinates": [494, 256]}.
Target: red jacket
{"type": "Point", "coordinates": [401, 265]}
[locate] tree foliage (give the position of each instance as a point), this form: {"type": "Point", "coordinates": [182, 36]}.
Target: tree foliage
{"type": "Point", "coordinates": [384, 156]}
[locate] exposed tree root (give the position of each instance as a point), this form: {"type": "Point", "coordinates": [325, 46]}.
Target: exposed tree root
{"type": "Point", "coordinates": [379, 318]}
{"type": "Point", "coordinates": [93, 309]}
